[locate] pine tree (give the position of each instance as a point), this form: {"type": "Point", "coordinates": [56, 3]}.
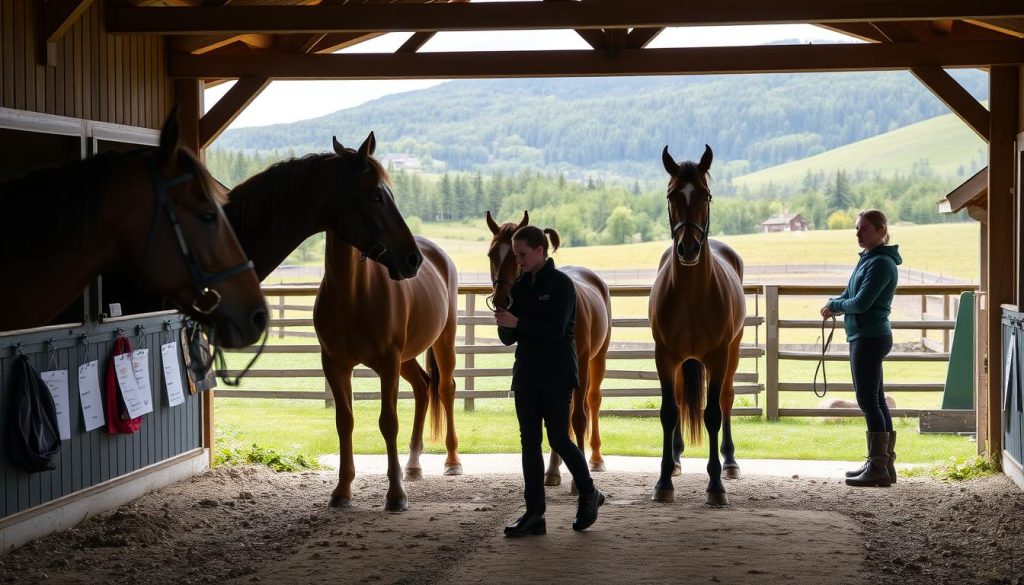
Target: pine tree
{"type": "Point", "coordinates": [839, 196]}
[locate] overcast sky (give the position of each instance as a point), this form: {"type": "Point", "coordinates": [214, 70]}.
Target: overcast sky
{"type": "Point", "coordinates": [288, 101]}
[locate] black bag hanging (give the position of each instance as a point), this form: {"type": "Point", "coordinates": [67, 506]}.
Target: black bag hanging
{"type": "Point", "coordinates": [34, 437]}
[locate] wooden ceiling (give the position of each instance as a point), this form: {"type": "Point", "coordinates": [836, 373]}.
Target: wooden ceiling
{"type": "Point", "coordinates": [257, 41]}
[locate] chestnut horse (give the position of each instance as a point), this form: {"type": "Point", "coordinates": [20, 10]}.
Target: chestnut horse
{"type": "Point", "coordinates": [154, 212]}
{"type": "Point", "coordinates": [696, 309]}
{"type": "Point", "coordinates": [362, 316]}
{"type": "Point", "coordinates": [593, 335]}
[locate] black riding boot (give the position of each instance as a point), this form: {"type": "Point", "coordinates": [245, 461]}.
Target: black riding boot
{"type": "Point", "coordinates": [892, 457]}
{"type": "Point", "coordinates": [877, 472]}
{"type": "Point", "coordinates": [586, 512]}
{"type": "Point", "coordinates": [867, 462]}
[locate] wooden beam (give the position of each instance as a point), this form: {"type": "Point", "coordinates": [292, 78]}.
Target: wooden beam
{"type": "Point", "coordinates": [703, 60]}
{"type": "Point", "coordinates": [1004, 83]}
{"type": "Point", "coordinates": [1009, 26]}
{"type": "Point", "coordinates": [956, 98]}
{"type": "Point", "coordinates": [230, 105]}
{"type": "Point", "coordinates": [336, 41]}
{"type": "Point", "coordinates": [593, 14]}
{"type": "Point", "coordinates": [640, 37]}
{"type": "Point", "coordinates": [415, 42]}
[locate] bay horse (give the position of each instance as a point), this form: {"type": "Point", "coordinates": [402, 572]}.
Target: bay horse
{"type": "Point", "coordinates": [362, 315]}
{"type": "Point", "coordinates": [154, 212]}
{"type": "Point", "coordinates": [696, 309]}
{"type": "Point", "coordinates": [593, 335]}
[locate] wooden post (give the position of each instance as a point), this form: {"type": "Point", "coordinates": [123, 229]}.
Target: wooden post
{"type": "Point", "coordinates": [470, 358]}
{"type": "Point", "coordinates": [280, 315]}
{"type": "Point", "coordinates": [924, 311]}
{"type": "Point", "coordinates": [1004, 92]}
{"type": "Point", "coordinates": [771, 352]}
{"type": "Point", "coordinates": [945, 317]}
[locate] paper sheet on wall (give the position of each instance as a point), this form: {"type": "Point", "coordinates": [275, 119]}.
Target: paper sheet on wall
{"type": "Point", "coordinates": [125, 372]}
{"type": "Point", "coordinates": [89, 392]}
{"type": "Point", "coordinates": [172, 373]}
{"type": "Point", "coordinates": [140, 365]}
{"type": "Point", "coordinates": [57, 382]}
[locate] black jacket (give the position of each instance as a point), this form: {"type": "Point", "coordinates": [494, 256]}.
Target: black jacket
{"type": "Point", "coordinates": [546, 334]}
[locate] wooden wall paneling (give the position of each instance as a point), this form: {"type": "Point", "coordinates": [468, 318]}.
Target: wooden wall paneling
{"type": "Point", "coordinates": [19, 55]}
{"type": "Point", "coordinates": [40, 70]}
{"type": "Point", "coordinates": [86, 57]}
{"type": "Point", "coordinates": [101, 66]}
{"type": "Point", "coordinates": [117, 116]}
{"type": "Point", "coordinates": [78, 48]}
{"type": "Point", "coordinates": [8, 54]}
{"type": "Point", "coordinates": [95, 61]}
{"type": "Point", "coordinates": [31, 28]}
{"type": "Point", "coordinates": [4, 26]}
{"type": "Point", "coordinates": [134, 83]}
{"type": "Point", "coordinates": [111, 77]}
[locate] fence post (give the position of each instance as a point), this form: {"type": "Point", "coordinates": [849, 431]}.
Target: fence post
{"type": "Point", "coordinates": [924, 311]}
{"type": "Point", "coordinates": [470, 380]}
{"type": "Point", "coordinates": [280, 315]}
{"type": "Point", "coordinates": [945, 317]}
{"type": "Point", "coordinates": [771, 352]}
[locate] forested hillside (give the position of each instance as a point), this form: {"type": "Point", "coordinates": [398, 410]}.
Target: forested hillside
{"type": "Point", "coordinates": [616, 127]}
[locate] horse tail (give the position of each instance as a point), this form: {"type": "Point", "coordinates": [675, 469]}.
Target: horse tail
{"type": "Point", "coordinates": [691, 412]}
{"type": "Point", "coordinates": [434, 395]}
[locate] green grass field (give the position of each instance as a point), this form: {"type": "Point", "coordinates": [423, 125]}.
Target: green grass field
{"type": "Point", "coordinates": [945, 142]}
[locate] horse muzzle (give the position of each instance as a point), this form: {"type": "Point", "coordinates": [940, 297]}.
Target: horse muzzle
{"type": "Point", "coordinates": [688, 254]}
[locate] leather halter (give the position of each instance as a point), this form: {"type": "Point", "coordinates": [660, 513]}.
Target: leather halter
{"type": "Point", "coordinates": [683, 224]}
{"type": "Point", "coordinates": [200, 277]}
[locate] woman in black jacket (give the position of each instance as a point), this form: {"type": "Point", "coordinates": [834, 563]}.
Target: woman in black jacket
{"type": "Point", "coordinates": [542, 322]}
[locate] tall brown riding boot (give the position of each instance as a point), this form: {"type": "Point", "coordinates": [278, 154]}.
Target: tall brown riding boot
{"type": "Point", "coordinates": [863, 467]}
{"type": "Point", "coordinates": [877, 473]}
{"type": "Point", "coordinates": [891, 466]}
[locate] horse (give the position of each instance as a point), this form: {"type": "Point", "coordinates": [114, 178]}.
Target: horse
{"type": "Point", "coordinates": [345, 192]}
{"type": "Point", "coordinates": [155, 212]}
{"type": "Point", "coordinates": [593, 335]}
{"type": "Point", "coordinates": [363, 316]}
{"type": "Point", "coordinates": [696, 309]}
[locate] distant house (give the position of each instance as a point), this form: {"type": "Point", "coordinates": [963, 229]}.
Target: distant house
{"type": "Point", "coordinates": [785, 222]}
{"type": "Point", "coordinates": [400, 161]}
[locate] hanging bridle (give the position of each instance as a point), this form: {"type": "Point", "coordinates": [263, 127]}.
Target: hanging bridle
{"type": "Point", "coordinates": [202, 279]}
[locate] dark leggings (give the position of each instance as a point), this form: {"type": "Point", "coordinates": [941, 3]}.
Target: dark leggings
{"type": "Point", "coordinates": [866, 357]}
{"type": "Point", "coordinates": [551, 408]}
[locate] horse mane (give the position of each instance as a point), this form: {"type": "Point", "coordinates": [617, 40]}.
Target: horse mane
{"type": "Point", "coordinates": [271, 192]}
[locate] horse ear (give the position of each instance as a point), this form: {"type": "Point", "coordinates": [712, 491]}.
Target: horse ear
{"type": "Point", "coordinates": [368, 146]}
{"type": "Point", "coordinates": [338, 148]}
{"type": "Point", "coordinates": [491, 224]}
{"type": "Point", "coordinates": [170, 135]}
{"type": "Point", "coordinates": [670, 164]}
{"type": "Point", "coordinates": [526, 219]}
{"type": "Point", "coordinates": [705, 160]}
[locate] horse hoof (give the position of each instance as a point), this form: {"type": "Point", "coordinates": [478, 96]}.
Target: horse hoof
{"type": "Point", "coordinates": [552, 479]}
{"type": "Point", "coordinates": [400, 504]}
{"type": "Point", "coordinates": [340, 502]}
{"type": "Point", "coordinates": [597, 466]}
{"type": "Point", "coordinates": [677, 470]}
{"type": "Point", "coordinates": [413, 474]}
{"type": "Point", "coordinates": [717, 499]}
{"type": "Point", "coordinates": [664, 495]}
{"type": "Point", "coordinates": [731, 472]}
{"type": "Point", "coordinates": [453, 469]}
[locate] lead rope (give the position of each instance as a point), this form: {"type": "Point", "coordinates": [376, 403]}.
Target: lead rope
{"type": "Point", "coordinates": [825, 344]}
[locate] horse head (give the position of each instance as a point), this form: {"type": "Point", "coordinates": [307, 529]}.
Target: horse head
{"type": "Point", "coordinates": [370, 220]}
{"type": "Point", "coordinates": [191, 254]}
{"type": "Point", "coordinates": [689, 205]}
{"type": "Point", "coordinates": [503, 262]}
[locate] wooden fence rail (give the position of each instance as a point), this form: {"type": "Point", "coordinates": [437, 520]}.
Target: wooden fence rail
{"type": "Point", "coordinates": [766, 346]}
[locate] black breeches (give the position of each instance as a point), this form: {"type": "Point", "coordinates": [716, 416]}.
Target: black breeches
{"type": "Point", "coordinates": [550, 408]}
{"type": "Point", "coordinates": [866, 357]}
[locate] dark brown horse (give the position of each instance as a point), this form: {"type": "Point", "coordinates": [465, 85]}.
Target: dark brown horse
{"type": "Point", "coordinates": [696, 310]}
{"type": "Point", "coordinates": [593, 334]}
{"type": "Point", "coordinates": [154, 212]}
{"type": "Point", "coordinates": [363, 316]}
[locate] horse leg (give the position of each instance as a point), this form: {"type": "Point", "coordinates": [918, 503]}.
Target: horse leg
{"type": "Point", "coordinates": [578, 415]}
{"type": "Point", "coordinates": [730, 469]}
{"type": "Point", "coordinates": [597, 368]}
{"type": "Point", "coordinates": [339, 377]}
{"type": "Point", "coordinates": [418, 379]}
{"type": "Point", "coordinates": [667, 367]}
{"type": "Point", "coordinates": [713, 423]}
{"type": "Point", "coordinates": [444, 353]}
{"type": "Point", "coordinates": [396, 500]}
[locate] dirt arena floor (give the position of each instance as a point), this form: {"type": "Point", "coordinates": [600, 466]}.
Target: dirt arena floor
{"type": "Point", "coordinates": [251, 525]}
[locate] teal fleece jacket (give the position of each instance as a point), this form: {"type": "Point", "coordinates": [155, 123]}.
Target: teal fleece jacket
{"type": "Point", "coordinates": [867, 300]}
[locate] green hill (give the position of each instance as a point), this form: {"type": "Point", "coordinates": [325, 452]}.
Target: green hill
{"type": "Point", "coordinates": [945, 144]}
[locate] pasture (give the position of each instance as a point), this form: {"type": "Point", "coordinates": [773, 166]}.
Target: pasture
{"type": "Point", "coordinates": [307, 427]}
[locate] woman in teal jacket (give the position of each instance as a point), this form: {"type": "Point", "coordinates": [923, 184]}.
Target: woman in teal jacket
{"type": "Point", "coordinates": [866, 304]}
